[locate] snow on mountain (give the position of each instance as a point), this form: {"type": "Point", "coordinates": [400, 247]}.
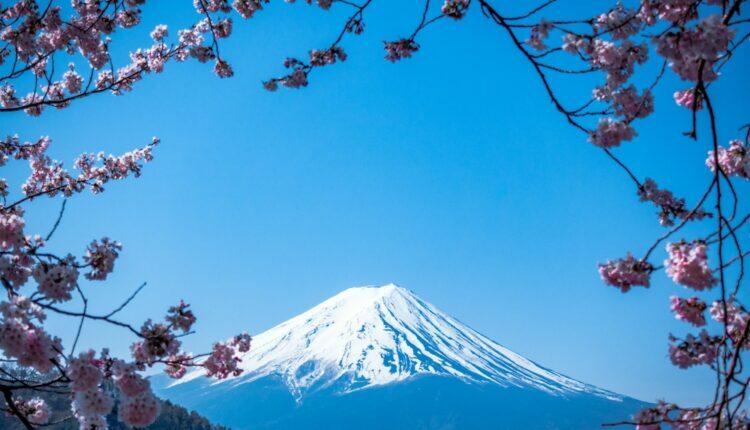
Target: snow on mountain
{"type": "Point", "coordinates": [372, 336]}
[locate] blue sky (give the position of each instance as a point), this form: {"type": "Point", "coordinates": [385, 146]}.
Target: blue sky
{"type": "Point", "coordinates": [449, 174]}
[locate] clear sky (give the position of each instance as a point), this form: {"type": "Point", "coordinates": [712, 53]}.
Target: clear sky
{"type": "Point", "coordinates": [449, 174]}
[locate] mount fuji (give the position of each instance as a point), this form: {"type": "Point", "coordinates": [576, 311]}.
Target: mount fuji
{"type": "Point", "coordinates": [381, 357]}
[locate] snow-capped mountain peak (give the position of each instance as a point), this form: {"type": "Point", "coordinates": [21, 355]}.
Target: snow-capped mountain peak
{"type": "Point", "coordinates": [370, 336]}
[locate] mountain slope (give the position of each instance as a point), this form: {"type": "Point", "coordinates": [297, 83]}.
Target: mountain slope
{"type": "Point", "coordinates": [380, 344]}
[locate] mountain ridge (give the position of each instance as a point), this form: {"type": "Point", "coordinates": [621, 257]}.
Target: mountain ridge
{"type": "Point", "coordinates": [383, 343]}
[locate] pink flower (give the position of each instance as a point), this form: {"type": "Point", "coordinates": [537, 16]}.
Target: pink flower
{"type": "Point", "coordinates": [223, 69]}
{"type": "Point", "coordinates": [101, 257]}
{"type": "Point", "coordinates": [140, 410]}
{"type": "Point", "coordinates": [160, 32]}
{"type": "Point", "coordinates": [400, 49]}
{"type": "Point", "coordinates": [689, 310]}
{"type": "Point", "coordinates": [693, 350]}
{"type": "Point", "coordinates": [242, 342]}
{"type": "Point", "coordinates": [687, 98]}
{"type": "Point", "coordinates": [734, 160]}
{"type": "Point", "coordinates": [128, 381]}
{"type": "Point", "coordinates": [92, 402]}
{"type": "Point", "coordinates": [671, 207]}
{"type": "Point", "coordinates": [328, 56]}
{"type": "Point", "coordinates": [619, 22]}
{"type": "Point", "coordinates": [247, 8]}
{"type": "Point", "coordinates": [651, 418]}
{"type": "Point", "coordinates": [177, 365]}
{"type": "Point", "coordinates": [222, 362]}
{"type": "Point", "coordinates": [35, 410]}
{"type": "Point", "coordinates": [181, 317]}
{"type": "Point", "coordinates": [688, 265]}
{"type": "Point", "coordinates": [158, 342]}
{"type": "Point", "coordinates": [737, 319]}
{"type": "Point", "coordinates": [539, 33]}
{"type": "Point", "coordinates": [84, 372]}
{"type": "Point", "coordinates": [455, 9]}
{"type": "Point", "coordinates": [610, 133]}
{"type": "Point", "coordinates": [56, 281]}
{"type": "Point", "coordinates": [11, 229]}
{"type": "Point", "coordinates": [625, 273]}
{"type": "Point", "coordinates": [628, 104]}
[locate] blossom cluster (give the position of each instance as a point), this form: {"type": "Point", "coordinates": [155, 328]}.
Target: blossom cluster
{"type": "Point", "coordinates": [689, 310]}
{"type": "Point", "coordinates": [735, 318]}
{"type": "Point", "coordinates": [35, 410]}
{"type": "Point", "coordinates": [687, 265]}
{"type": "Point", "coordinates": [36, 34]}
{"type": "Point", "coordinates": [694, 350]}
{"type": "Point", "coordinates": [671, 207]}
{"type": "Point", "coordinates": [625, 273]}
{"type": "Point", "coordinates": [733, 161]}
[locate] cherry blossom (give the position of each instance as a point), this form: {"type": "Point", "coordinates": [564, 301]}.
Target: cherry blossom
{"type": "Point", "coordinates": [140, 410]}
{"type": "Point", "coordinates": [734, 160]}
{"type": "Point", "coordinates": [688, 265]}
{"type": "Point", "coordinates": [181, 317]}
{"type": "Point", "coordinates": [625, 273]}
{"type": "Point", "coordinates": [671, 207]}
{"type": "Point", "coordinates": [610, 133]}
{"type": "Point", "coordinates": [34, 409]}
{"type": "Point", "coordinates": [455, 9]}
{"type": "Point", "coordinates": [693, 351]}
{"type": "Point", "coordinates": [689, 310]}
{"type": "Point", "coordinates": [101, 257]}
{"type": "Point", "coordinates": [400, 49]}
{"type": "Point", "coordinates": [688, 98]}
{"type": "Point", "coordinates": [84, 372]}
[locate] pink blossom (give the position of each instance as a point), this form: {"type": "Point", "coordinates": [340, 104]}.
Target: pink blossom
{"type": "Point", "coordinates": [11, 228]}
{"type": "Point", "coordinates": [737, 319]}
{"type": "Point", "coordinates": [455, 9]}
{"type": "Point", "coordinates": [56, 281]}
{"type": "Point", "coordinates": [180, 317]}
{"type": "Point", "coordinates": [694, 49]}
{"type": "Point", "coordinates": [628, 104]}
{"type": "Point", "coordinates": [689, 310]}
{"type": "Point", "coordinates": [327, 56]}
{"type": "Point", "coordinates": [247, 8]}
{"type": "Point", "coordinates": [140, 410]}
{"type": "Point", "coordinates": [92, 402]}
{"type": "Point", "coordinates": [539, 33]}
{"type": "Point", "coordinates": [625, 273]}
{"type": "Point", "coordinates": [610, 133]}
{"type": "Point", "coordinates": [619, 22]}
{"type": "Point", "coordinates": [16, 269]}
{"type": "Point", "coordinates": [101, 257]}
{"type": "Point", "coordinates": [177, 365]}
{"type": "Point", "coordinates": [160, 32]}
{"type": "Point", "coordinates": [222, 362]}
{"type": "Point", "coordinates": [92, 422]}
{"type": "Point", "coordinates": [687, 98]}
{"type": "Point", "coordinates": [693, 350]}
{"type": "Point", "coordinates": [158, 342]}
{"type": "Point", "coordinates": [734, 160]}
{"type": "Point", "coordinates": [671, 207]}
{"type": "Point", "coordinates": [618, 61]}
{"type": "Point", "coordinates": [72, 81]}
{"type": "Point", "coordinates": [128, 381]}
{"type": "Point", "coordinates": [688, 265]}
{"type": "Point", "coordinates": [242, 342]}
{"type": "Point", "coordinates": [223, 69]}
{"type": "Point", "coordinates": [84, 372]}
{"type": "Point", "coordinates": [35, 410]}
{"type": "Point", "coordinates": [651, 418]}
{"type": "Point", "coordinates": [400, 49]}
